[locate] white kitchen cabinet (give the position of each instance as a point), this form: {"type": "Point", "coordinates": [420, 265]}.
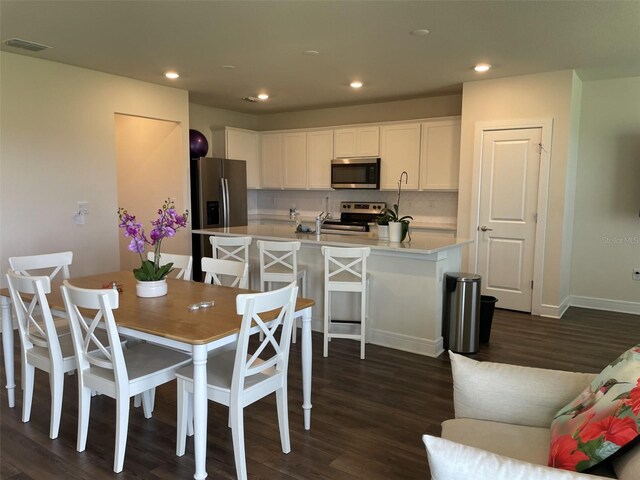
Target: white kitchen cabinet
{"type": "Point", "coordinates": [239, 144]}
{"type": "Point", "coordinates": [271, 160]}
{"type": "Point", "coordinates": [319, 155]}
{"type": "Point", "coordinates": [399, 151]}
{"type": "Point", "coordinates": [357, 142]}
{"type": "Point", "coordinates": [294, 160]}
{"type": "Point", "coordinates": [440, 155]}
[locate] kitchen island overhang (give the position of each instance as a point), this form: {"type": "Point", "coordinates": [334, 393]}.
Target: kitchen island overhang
{"type": "Point", "coordinates": [406, 281]}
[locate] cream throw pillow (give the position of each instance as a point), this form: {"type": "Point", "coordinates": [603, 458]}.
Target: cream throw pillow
{"type": "Point", "coordinates": [454, 461]}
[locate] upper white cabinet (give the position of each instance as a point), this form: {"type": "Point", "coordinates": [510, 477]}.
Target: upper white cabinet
{"type": "Point", "coordinates": [319, 155]}
{"type": "Point", "coordinates": [399, 151]}
{"type": "Point", "coordinates": [357, 142]}
{"type": "Point", "coordinates": [239, 144]}
{"type": "Point", "coordinates": [440, 155]}
{"type": "Point", "coordinates": [271, 160]}
{"type": "Point", "coordinates": [294, 160]}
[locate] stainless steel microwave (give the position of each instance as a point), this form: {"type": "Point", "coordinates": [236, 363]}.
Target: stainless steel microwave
{"type": "Point", "coordinates": [355, 173]}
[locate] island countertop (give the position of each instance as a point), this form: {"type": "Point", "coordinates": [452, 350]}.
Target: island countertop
{"type": "Point", "coordinates": [421, 243]}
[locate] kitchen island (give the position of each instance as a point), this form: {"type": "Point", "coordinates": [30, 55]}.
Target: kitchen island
{"type": "Point", "coordinates": [406, 281]}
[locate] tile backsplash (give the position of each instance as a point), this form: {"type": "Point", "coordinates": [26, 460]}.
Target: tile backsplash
{"type": "Point", "coordinates": [425, 207]}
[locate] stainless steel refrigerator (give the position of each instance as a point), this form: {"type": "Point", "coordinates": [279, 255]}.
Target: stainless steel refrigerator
{"type": "Point", "coordinates": [218, 199]}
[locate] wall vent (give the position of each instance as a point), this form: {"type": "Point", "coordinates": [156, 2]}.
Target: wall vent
{"type": "Point", "coordinates": [26, 45]}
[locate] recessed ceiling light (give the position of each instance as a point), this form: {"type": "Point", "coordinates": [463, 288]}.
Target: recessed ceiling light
{"type": "Point", "coordinates": [172, 75]}
{"type": "Point", "coordinates": [311, 52]}
{"type": "Point", "coordinates": [421, 32]}
{"type": "Point", "coordinates": [482, 67]}
{"type": "Point", "coordinates": [228, 66]}
{"type": "Point", "coordinates": [356, 84]}
{"type": "Point", "coordinates": [263, 96]}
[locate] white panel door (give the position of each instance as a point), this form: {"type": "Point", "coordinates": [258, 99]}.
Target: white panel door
{"type": "Point", "coordinates": [271, 160]}
{"type": "Point", "coordinates": [245, 145]}
{"type": "Point", "coordinates": [508, 201]}
{"type": "Point", "coordinates": [400, 152]}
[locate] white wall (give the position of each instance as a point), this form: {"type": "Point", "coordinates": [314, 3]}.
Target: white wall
{"type": "Point", "coordinates": [428, 107]}
{"type": "Point", "coordinates": [529, 97]}
{"type": "Point", "coordinates": [606, 243]}
{"type": "Point", "coordinates": [58, 147]}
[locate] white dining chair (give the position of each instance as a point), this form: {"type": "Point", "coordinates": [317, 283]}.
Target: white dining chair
{"type": "Point", "coordinates": [238, 379]}
{"type": "Point", "coordinates": [279, 264]}
{"type": "Point", "coordinates": [107, 367]}
{"type": "Point", "coordinates": [225, 272]}
{"type": "Point", "coordinates": [52, 263]}
{"type": "Point", "coordinates": [232, 248]}
{"type": "Point", "coordinates": [182, 264]}
{"type": "Point", "coordinates": [42, 348]}
{"type": "Point", "coordinates": [345, 270]}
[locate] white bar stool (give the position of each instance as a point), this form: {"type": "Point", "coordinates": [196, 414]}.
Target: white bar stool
{"type": "Point", "coordinates": [345, 270]}
{"type": "Point", "coordinates": [231, 248]}
{"type": "Point", "coordinates": [279, 264]}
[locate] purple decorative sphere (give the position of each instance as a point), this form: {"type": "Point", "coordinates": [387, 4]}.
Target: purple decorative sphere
{"type": "Point", "coordinates": [198, 145]}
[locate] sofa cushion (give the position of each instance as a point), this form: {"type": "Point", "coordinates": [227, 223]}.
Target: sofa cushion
{"type": "Point", "coordinates": [453, 461]}
{"type": "Point", "coordinates": [511, 394]}
{"type": "Point", "coordinates": [604, 417]}
{"type": "Point", "coordinates": [529, 444]}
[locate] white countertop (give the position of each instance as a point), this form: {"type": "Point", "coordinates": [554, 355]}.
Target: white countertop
{"type": "Point", "coordinates": [420, 242]}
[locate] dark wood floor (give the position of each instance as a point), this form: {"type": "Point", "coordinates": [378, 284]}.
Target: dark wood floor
{"type": "Point", "coordinates": [368, 416]}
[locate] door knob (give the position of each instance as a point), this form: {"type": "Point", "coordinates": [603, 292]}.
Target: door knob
{"type": "Point", "coordinates": [485, 229]}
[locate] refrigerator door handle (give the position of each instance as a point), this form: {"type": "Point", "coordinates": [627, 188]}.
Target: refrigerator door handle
{"type": "Point", "coordinates": [223, 197]}
{"type": "Point", "coordinates": [226, 203]}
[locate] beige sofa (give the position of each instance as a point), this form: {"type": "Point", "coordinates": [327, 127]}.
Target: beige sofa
{"type": "Point", "coordinates": [501, 426]}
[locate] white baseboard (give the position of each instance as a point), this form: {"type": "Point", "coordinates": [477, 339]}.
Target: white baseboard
{"type": "Point", "coordinates": [555, 311]}
{"type": "Point", "coordinates": [421, 346]}
{"type": "Point", "coordinates": [621, 306]}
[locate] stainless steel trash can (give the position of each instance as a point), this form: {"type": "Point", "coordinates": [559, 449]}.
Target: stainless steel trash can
{"type": "Point", "coordinates": [461, 312]}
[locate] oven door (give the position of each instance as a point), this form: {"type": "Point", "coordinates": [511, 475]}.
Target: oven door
{"type": "Point", "coordinates": [358, 173]}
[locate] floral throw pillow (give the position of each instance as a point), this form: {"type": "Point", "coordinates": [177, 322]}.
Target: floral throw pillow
{"type": "Point", "coordinates": [602, 419]}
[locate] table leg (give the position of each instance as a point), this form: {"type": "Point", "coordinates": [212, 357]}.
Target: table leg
{"type": "Point", "coordinates": [7, 347]}
{"type": "Point", "coordinates": [200, 410]}
{"type": "Point", "coordinates": [306, 367]}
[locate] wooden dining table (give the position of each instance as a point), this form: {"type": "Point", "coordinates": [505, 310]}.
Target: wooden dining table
{"type": "Point", "coordinates": [169, 321]}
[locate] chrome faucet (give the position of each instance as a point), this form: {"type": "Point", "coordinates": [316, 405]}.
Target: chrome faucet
{"type": "Point", "coordinates": [320, 219]}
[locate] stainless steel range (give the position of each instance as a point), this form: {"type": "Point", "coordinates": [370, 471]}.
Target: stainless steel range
{"type": "Point", "coordinates": [354, 217]}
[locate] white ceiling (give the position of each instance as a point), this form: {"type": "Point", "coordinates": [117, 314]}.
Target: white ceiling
{"type": "Point", "coordinates": [365, 40]}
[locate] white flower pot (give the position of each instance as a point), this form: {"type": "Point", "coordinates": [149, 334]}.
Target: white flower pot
{"type": "Point", "coordinates": [151, 289]}
{"type": "Point", "coordinates": [395, 232]}
{"type": "Point", "coordinates": [383, 232]}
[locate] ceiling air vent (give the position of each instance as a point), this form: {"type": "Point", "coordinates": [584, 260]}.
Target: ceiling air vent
{"type": "Point", "coordinates": [26, 45]}
{"type": "Point", "coordinates": [252, 99]}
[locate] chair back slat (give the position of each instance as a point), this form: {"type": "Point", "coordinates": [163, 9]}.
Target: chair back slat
{"type": "Point", "coordinates": [278, 261]}
{"type": "Point", "coordinates": [88, 347]}
{"type": "Point", "coordinates": [231, 248]}
{"type": "Point", "coordinates": [253, 308]}
{"type": "Point", "coordinates": [35, 322]}
{"type": "Point", "coordinates": [55, 262]}
{"type": "Point", "coordinates": [346, 264]}
{"type": "Point", "coordinates": [182, 264]}
{"type": "Point", "coordinates": [225, 272]}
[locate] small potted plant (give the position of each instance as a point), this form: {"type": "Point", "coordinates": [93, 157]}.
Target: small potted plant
{"type": "Point", "coordinates": [398, 226]}
{"type": "Point", "coordinates": [383, 226]}
{"type": "Point", "coordinates": [152, 276]}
